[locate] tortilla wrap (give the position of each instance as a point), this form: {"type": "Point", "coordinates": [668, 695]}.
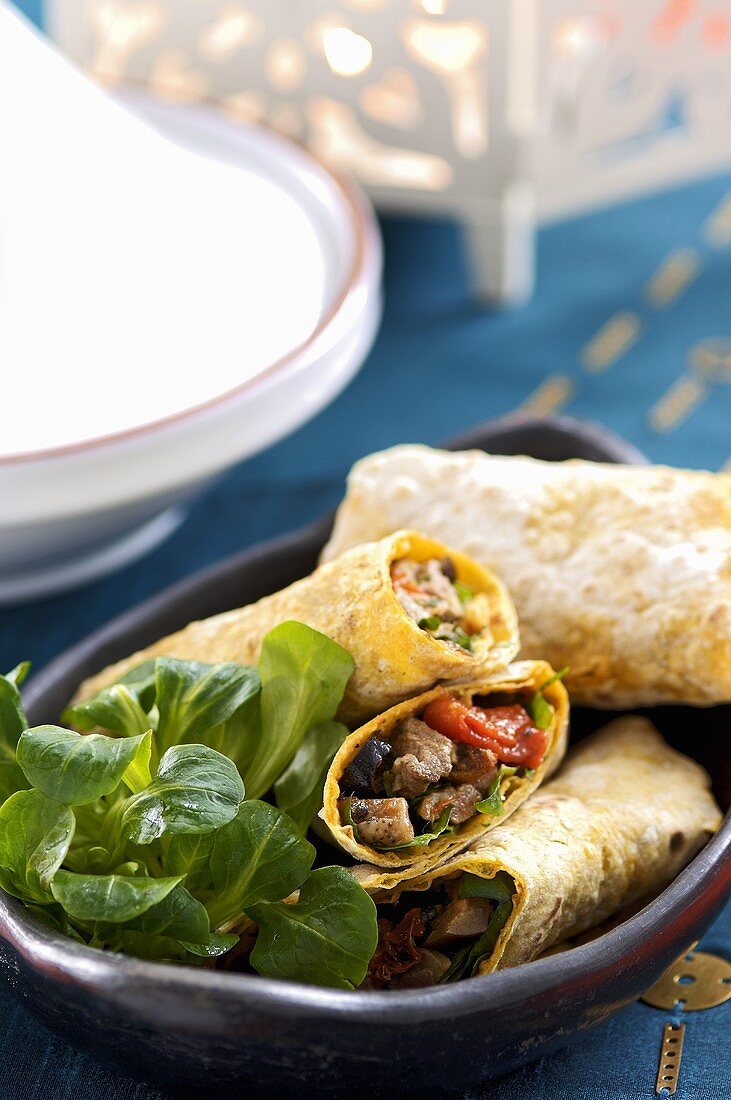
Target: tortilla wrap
{"type": "Point", "coordinates": [624, 815]}
{"type": "Point", "coordinates": [352, 600]}
{"type": "Point", "coordinates": [622, 573]}
{"type": "Point", "coordinates": [519, 679]}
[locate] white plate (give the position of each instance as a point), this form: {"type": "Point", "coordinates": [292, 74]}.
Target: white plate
{"type": "Point", "coordinates": [249, 358]}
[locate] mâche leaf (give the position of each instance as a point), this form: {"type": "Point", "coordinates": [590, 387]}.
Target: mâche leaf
{"type": "Point", "coordinates": [298, 791]}
{"type": "Point", "coordinates": [326, 938]}
{"type": "Point", "coordinates": [116, 708]}
{"type": "Point", "coordinates": [111, 899]}
{"type": "Point", "coordinates": [259, 856]}
{"type": "Point", "coordinates": [71, 768]}
{"type": "Point", "coordinates": [189, 854]}
{"type": "Point", "coordinates": [196, 790]}
{"type": "Point", "coordinates": [218, 943]}
{"type": "Point", "coordinates": [193, 698]}
{"type": "Point", "coordinates": [303, 678]}
{"type": "Point", "coordinates": [11, 780]}
{"type": "Point", "coordinates": [12, 715]}
{"type": "Point", "coordinates": [35, 834]}
{"type": "Point", "coordinates": [178, 915]}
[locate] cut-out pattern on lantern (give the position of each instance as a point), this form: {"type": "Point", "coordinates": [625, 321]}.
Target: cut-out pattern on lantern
{"type": "Point", "coordinates": [501, 114]}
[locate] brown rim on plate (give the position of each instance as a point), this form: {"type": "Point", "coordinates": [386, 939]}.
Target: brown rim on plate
{"type": "Point", "coordinates": [366, 246]}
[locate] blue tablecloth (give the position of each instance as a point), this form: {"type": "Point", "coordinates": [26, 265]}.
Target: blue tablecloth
{"type": "Point", "coordinates": [440, 364]}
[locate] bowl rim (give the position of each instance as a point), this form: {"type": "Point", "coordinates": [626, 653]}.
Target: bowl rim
{"type": "Point", "coordinates": [366, 253]}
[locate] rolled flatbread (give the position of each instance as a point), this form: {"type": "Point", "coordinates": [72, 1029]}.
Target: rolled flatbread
{"type": "Point", "coordinates": [370, 603]}
{"type": "Point", "coordinates": [623, 816]}
{"type": "Point", "coordinates": [401, 766]}
{"type": "Point", "coordinates": [621, 573]}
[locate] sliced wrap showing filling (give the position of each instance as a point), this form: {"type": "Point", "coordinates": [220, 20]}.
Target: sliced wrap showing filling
{"type": "Point", "coordinates": [624, 815]}
{"type": "Point", "coordinates": [431, 774]}
{"type": "Point", "coordinates": [411, 611]}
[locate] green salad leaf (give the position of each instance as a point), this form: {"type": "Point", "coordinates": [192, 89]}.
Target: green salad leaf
{"type": "Point", "coordinates": [493, 803]}
{"type": "Point", "coordinates": [35, 835]}
{"type": "Point", "coordinates": [298, 791]}
{"type": "Point", "coordinates": [12, 715]}
{"type": "Point", "coordinates": [327, 937]}
{"type": "Point", "coordinates": [139, 838]}
{"type": "Point", "coordinates": [116, 708]}
{"type": "Point", "coordinates": [194, 698]}
{"type": "Point", "coordinates": [109, 898]}
{"type": "Point", "coordinates": [439, 828]}
{"type": "Point", "coordinates": [539, 708]}
{"type": "Point", "coordinates": [71, 768]}
{"type": "Point", "coordinates": [259, 856]}
{"type": "Point", "coordinates": [303, 678]}
{"type": "Point", "coordinates": [500, 890]}
{"type": "Point", "coordinates": [196, 790]}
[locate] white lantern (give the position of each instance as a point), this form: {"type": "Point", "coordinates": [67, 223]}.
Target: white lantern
{"type": "Point", "coordinates": [502, 113]}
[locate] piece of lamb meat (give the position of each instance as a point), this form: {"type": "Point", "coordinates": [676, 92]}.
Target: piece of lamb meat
{"type": "Point", "coordinates": [382, 822]}
{"type": "Point", "coordinates": [423, 757]}
{"type": "Point", "coordinates": [474, 765]}
{"type": "Point", "coordinates": [462, 799]}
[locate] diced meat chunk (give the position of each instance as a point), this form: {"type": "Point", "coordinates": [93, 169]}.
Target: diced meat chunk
{"type": "Point", "coordinates": [462, 799]}
{"type": "Point", "coordinates": [423, 757]}
{"type": "Point", "coordinates": [382, 822]}
{"type": "Point", "coordinates": [429, 970]}
{"type": "Point", "coordinates": [459, 920]}
{"type": "Point", "coordinates": [474, 765]}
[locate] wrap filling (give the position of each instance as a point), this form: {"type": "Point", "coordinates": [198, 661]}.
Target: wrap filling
{"type": "Point", "coordinates": [439, 769]}
{"type": "Point", "coordinates": [442, 605]}
{"type": "Point", "coordinates": [439, 935]}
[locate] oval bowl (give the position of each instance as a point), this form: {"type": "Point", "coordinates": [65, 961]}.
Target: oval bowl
{"type": "Point", "coordinates": [207, 1029]}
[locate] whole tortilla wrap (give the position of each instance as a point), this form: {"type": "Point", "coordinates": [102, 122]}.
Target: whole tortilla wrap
{"type": "Point", "coordinates": [352, 600]}
{"type": "Point", "coordinates": [621, 573]}
{"type": "Point", "coordinates": [519, 679]}
{"type": "Point", "coordinates": [624, 815]}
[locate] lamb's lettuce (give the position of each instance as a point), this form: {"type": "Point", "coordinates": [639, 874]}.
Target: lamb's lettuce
{"type": "Point", "coordinates": [330, 931]}
{"type": "Point", "coordinates": [135, 835]}
{"type": "Point", "coordinates": [298, 791]}
{"type": "Point", "coordinates": [303, 678]}
{"type": "Point", "coordinates": [35, 835]}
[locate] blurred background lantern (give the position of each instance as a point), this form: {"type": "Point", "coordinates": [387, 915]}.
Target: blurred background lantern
{"type": "Point", "coordinates": [502, 114]}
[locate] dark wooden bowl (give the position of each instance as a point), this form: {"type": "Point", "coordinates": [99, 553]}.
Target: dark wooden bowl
{"type": "Point", "coordinates": [205, 1029]}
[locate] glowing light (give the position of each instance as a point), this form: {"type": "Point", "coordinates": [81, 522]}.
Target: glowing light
{"type": "Point", "coordinates": [285, 64]}
{"type": "Point", "coordinates": [394, 100]}
{"type": "Point", "coordinates": [446, 47]}
{"type": "Point", "coordinates": [119, 32]}
{"type": "Point", "coordinates": [454, 51]}
{"type": "Point", "coordinates": [347, 53]}
{"type": "Point", "coordinates": [574, 38]}
{"type": "Point", "coordinates": [234, 27]}
{"type": "Point", "coordinates": [434, 7]}
{"type": "Point", "coordinates": [173, 79]}
{"type": "Point", "coordinates": [337, 136]}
